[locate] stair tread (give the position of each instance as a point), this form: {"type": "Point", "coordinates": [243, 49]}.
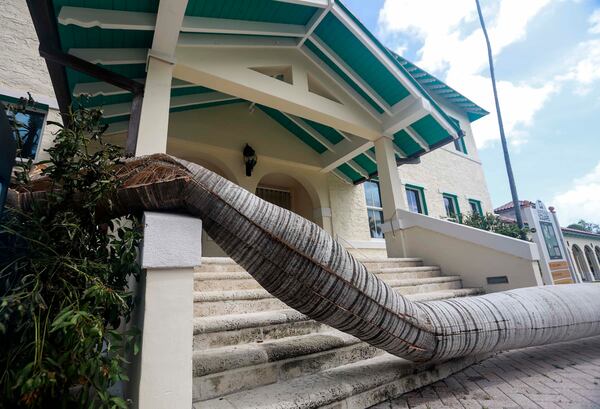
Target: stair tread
{"type": "Point", "coordinates": [215, 360]}
{"type": "Point", "coordinates": [329, 386]}
{"type": "Point", "coordinates": [243, 275]}
{"type": "Point", "coordinates": [259, 293]}
{"type": "Point", "coordinates": [231, 322]}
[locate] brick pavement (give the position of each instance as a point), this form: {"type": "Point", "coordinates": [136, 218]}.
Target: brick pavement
{"type": "Point", "coordinates": [560, 376]}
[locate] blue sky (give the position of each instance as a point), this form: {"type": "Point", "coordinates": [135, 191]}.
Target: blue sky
{"type": "Point", "coordinates": [547, 56]}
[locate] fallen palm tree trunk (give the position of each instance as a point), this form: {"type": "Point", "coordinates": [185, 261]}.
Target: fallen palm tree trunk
{"type": "Point", "coordinates": [300, 263]}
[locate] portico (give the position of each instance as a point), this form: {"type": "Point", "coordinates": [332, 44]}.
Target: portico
{"type": "Point", "coordinates": [303, 82]}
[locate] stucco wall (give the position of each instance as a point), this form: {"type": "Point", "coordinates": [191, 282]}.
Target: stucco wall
{"type": "Point", "coordinates": [447, 170]}
{"type": "Point", "coordinates": [22, 70]}
{"type": "Point", "coordinates": [349, 210]}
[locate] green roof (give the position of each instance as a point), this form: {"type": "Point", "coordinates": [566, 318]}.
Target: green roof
{"type": "Point", "coordinates": [385, 86]}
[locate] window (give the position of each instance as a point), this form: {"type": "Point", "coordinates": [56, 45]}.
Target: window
{"type": "Point", "coordinates": [551, 240]}
{"type": "Point", "coordinates": [459, 145]}
{"type": "Point", "coordinates": [475, 207]}
{"type": "Point", "coordinates": [415, 197]}
{"type": "Point", "coordinates": [452, 208]}
{"type": "Point", "coordinates": [374, 209]}
{"type": "Point", "coordinates": [29, 124]}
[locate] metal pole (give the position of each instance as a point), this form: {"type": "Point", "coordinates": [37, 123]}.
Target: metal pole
{"type": "Point", "coordinates": [511, 178]}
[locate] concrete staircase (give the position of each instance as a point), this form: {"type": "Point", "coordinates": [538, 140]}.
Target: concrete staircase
{"type": "Point", "coordinates": [252, 351]}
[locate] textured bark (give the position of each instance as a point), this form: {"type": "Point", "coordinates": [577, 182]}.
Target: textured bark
{"type": "Point", "coordinates": [300, 263]}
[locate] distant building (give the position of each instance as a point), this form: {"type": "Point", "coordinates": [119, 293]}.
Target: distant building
{"type": "Point", "coordinates": [580, 249]}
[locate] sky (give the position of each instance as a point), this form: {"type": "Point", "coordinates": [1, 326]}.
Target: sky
{"type": "Point", "coordinates": [547, 61]}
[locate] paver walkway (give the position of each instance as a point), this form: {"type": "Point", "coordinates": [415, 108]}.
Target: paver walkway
{"type": "Point", "coordinates": [565, 375]}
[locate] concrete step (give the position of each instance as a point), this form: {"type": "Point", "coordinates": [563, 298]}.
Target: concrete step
{"type": "Point", "coordinates": [224, 330]}
{"type": "Point", "coordinates": [241, 280]}
{"type": "Point", "coordinates": [226, 264]}
{"type": "Point", "coordinates": [356, 385]}
{"type": "Point", "coordinates": [226, 370]}
{"type": "Point", "coordinates": [211, 303]}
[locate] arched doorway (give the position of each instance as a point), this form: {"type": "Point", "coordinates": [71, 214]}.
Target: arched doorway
{"type": "Point", "coordinates": [592, 262]}
{"type": "Point", "coordinates": [287, 192]}
{"type": "Point", "coordinates": [582, 265]}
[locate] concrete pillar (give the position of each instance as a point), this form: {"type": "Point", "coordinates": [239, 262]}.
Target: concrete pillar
{"type": "Point", "coordinates": [171, 250]}
{"type": "Point", "coordinates": [392, 195]}
{"type": "Point", "coordinates": [154, 118]}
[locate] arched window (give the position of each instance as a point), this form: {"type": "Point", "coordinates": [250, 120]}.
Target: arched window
{"type": "Point", "coordinates": [592, 262]}
{"type": "Point", "coordinates": [582, 265]}
{"type": "Point", "coordinates": [597, 249]}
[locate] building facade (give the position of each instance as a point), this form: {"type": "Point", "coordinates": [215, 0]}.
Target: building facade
{"type": "Point", "coordinates": [302, 163]}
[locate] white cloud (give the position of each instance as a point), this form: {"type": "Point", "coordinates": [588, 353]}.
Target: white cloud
{"type": "Point", "coordinates": [453, 47]}
{"type": "Point", "coordinates": [584, 65]}
{"type": "Point", "coordinates": [581, 201]}
{"type": "Point", "coordinates": [594, 22]}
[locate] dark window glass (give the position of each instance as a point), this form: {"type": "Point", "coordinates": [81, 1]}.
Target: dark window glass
{"type": "Point", "coordinates": [459, 145]}
{"type": "Point", "coordinates": [450, 207]}
{"type": "Point", "coordinates": [413, 197]}
{"type": "Point", "coordinates": [551, 240]}
{"type": "Point", "coordinates": [29, 131]}
{"type": "Point", "coordinates": [476, 207]}
{"type": "Point", "coordinates": [375, 221]}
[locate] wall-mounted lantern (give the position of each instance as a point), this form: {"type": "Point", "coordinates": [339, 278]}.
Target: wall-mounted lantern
{"type": "Point", "coordinates": [249, 159]}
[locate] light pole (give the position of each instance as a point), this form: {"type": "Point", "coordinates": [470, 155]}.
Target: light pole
{"type": "Point", "coordinates": [511, 178]}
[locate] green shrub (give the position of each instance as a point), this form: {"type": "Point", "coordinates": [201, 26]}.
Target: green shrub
{"type": "Point", "coordinates": [64, 272]}
{"type": "Point", "coordinates": [493, 223]}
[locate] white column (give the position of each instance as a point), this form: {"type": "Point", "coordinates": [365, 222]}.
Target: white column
{"type": "Point", "coordinates": [392, 194]}
{"type": "Point", "coordinates": [171, 250]}
{"type": "Point", "coordinates": [154, 119]}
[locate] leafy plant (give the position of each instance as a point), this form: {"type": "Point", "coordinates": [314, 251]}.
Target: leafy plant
{"type": "Point", "coordinates": [64, 274]}
{"type": "Point", "coordinates": [493, 223]}
{"type": "Point", "coordinates": [586, 226]}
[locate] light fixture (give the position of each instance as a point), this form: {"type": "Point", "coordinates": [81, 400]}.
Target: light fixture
{"type": "Point", "coordinates": [249, 159]}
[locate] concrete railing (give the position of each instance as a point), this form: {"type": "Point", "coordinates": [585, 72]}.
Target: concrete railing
{"type": "Point", "coordinates": [162, 376]}
{"type": "Point", "coordinates": [483, 259]}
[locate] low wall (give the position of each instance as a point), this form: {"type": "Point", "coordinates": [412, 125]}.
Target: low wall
{"type": "Point", "coordinates": [483, 259]}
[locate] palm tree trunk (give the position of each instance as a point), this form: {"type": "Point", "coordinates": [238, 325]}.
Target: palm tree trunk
{"type": "Point", "coordinates": [301, 264]}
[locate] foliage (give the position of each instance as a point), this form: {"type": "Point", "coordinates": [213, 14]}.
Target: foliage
{"type": "Point", "coordinates": [585, 226]}
{"type": "Point", "coordinates": [493, 223]}
{"type": "Point", "coordinates": [64, 272]}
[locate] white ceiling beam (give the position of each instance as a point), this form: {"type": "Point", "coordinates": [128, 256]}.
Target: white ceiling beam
{"type": "Point", "coordinates": [383, 57]}
{"type": "Point", "coordinates": [94, 89]}
{"type": "Point", "coordinates": [346, 69]}
{"type": "Point", "coordinates": [399, 152]}
{"type": "Point", "coordinates": [345, 152]}
{"type": "Point", "coordinates": [417, 138]}
{"type": "Point", "coordinates": [222, 41]}
{"type": "Point", "coordinates": [325, 69]}
{"type": "Point", "coordinates": [405, 114]}
{"type": "Point", "coordinates": [114, 110]}
{"type": "Point", "coordinates": [311, 131]}
{"type": "Point", "coordinates": [370, 155]}
{"type": "Point", "coordinates": [111, 56]}
{"type": "Point", "coordinates": [314, 22]}
{"type": "Point", "coordinates": [358, 169]}
{"type": "Point", "coordinates": [139, 21]}
{"type": "Point", "coordinates": [311, 3]}
{"type": "Point", "coordinates": [386, 60]}
{"type": "Point", "coordinates": [342, 177]}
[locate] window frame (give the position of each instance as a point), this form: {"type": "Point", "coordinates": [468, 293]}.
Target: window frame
{"type": "Point", "coordinates": [374, 209]}
{"type": "Point", "coordinates": [36, 108]}
{"type": "Point", "coordinates": [460, 145]}
{"type": "Point", "coordinates": [454, 199]}
{"type": "Point", "coordinates": [477, 204]}
{"type": "Point", "coordinates": [421, 194]}
{"type": "Point", "coordinates": [549, 227]}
